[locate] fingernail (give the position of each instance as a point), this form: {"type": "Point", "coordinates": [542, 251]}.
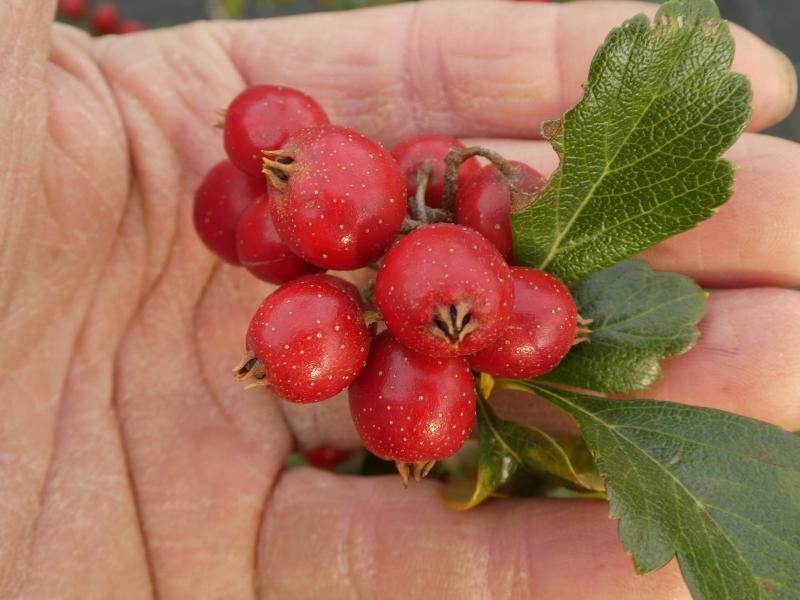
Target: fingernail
{"type": "Point", "coordinates": [790, 79]}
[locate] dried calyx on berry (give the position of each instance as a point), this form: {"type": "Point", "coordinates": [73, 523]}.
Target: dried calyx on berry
{"type": "Point", "coordinates": [339, 199]}
{"type": "Point", "coordinates": [411, 408]}
{"type": "Point", "coordinates": [307, 341]}
{"type": "Point", "coordinates": [444, 290]}
{"type": "Point", "coordinates": [261, 118]}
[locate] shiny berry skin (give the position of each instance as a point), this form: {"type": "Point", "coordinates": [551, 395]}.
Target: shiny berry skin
{"type": "Point", "coordinates": [327, 457]}
{"type": "Point", "coordinates": [261, 118]}
{"type": "Point", "coordinates": [262, 252]}
{"type": "Point", "coordinates": [343, 201]}
{"type": "Point", "coordinates": [72, 9]}
{"type": "Point", "coordinates": [105, 19]}
{"type": "Point", "coordinates": [541, 331]}
{"type": "Point", "coordinates": [483, 203]}
{"type": "Point", "coordinates": [131, 26]}
{"type": "Point", "coordinates": [409, 407]}
{"type": "Point", "coordinates": [444, 290]}
{"type": "Point", "coordinates": [220, 200]}
{"type": "Point", "coordinates": [310, 338]}
{"type": "Point", "coordinates": [412, 152]}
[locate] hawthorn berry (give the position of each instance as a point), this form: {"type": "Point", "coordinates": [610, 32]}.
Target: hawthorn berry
{"type": "Point", "coordinates": [261, 118]}
{"type": "Point", "coordinates": [340, 200]}
{"type": "Point", "coordinates": [72, 9]}
{"type": "Point", "coordinates": [411, 408]}
{"type": "Point", "coordinates": [220, 200]}
{"type": "Point", "coordinates": [262, 252]}
{"type": "Point", "coordinates": [483, 202]}
{"type": "Point", "coordinates": [307, 341]}
{"type": "Point", "coordinates": [444, 290]}
{"type": "Point", "coordinates": [541, 331]}
{"type": "Point", "coordinates": [414, 152]}
{"type": "Point", "coordinates": [105, 19]}
{"type": "Point", "coordinates": [327, 457]}
{"type": "Point", "coordinates": [131, 26]}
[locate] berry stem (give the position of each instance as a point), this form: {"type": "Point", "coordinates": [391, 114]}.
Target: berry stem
{"type": "Point", "coordinates": [418, 208]}
{"type": "Point", "coordinates": [368, 291]}
{"type": "Point", "coordinates": [410, 225]}
{"type": "Point", "coordinates": [453, 162]}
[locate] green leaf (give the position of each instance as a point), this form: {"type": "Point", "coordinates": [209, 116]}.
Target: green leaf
{"type": "Point", "coordinates": [503, 447]}
{"type": "Point", "coordinates": [639, 317]}
{"type": "Point", "coordinates": [495, 467]}
{"type": "Point", "coordinates": [720, 491]}
{"type": "Point", "coordinates": [640, 153]}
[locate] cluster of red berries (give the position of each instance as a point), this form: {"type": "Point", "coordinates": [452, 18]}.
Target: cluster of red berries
{"type": "Point", "coordinates": [105, 18]}
{"type": "Point", "coordinates": [299, 196]}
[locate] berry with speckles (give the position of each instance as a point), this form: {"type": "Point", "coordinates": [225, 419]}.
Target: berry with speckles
{"type": "Point", "coordinates": [262, 252]}
{"type": "Point", "coordinates": [483, 203]}
{"type": "Point", "coordinates": [340, 200]}
{"type": "Point", "coordinates": [307, 341]}
{"type": "Point", "coordinates": [541, 332]}
{"type": "Point", "coordinates": [261, 118]}
{"type": "Point", "coordinates": [220, 200]}
{"type": "Point", "coordinates": [444, 290]}
{"type": "Point", "coordinates": [413, 152]}
{"type": "Point", "coordinates": [411, 408]}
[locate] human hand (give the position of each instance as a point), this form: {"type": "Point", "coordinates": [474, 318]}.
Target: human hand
{"type": "Point", "coordinates": [133, 465]}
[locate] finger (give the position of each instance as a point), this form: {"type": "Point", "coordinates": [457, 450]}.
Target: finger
{"type": "Point", "coordinates": [496, 69]}
{"type": "Point", "coordinates": [372, 538]}
{"type": "Point", "coordinates": [745, 361]}
{"type": "Point", "coordinates": [741, 364]}
{"type": "Point", "coordinates": [752, 241]}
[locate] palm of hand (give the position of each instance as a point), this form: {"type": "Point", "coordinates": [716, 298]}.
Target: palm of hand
{"type": "Point", "coordinates": [125, 446]}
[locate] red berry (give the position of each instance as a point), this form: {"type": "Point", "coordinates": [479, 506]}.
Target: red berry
{"type": "Point", "coordinates": [412, 408]}
{"type": "Point", "coordinates": [541, 331]}
{"type": "Point", "coordinates": [413, 152]}
{"type": "Point", "coordinates": [105, 19]}
{"type": "Point", "coordinates": [444, 290]}
{"type": "Point", "coordinates": [131, 26]}
{"type": "Point", "coordinates": [327, 457]}
{"type": "Point", "coordinates": [484, 203]}
{"type": "Point", "coordinates": [308, 340]}
{"type": "Point", "coordinates": [262, 252]}
{"type": "Point", "coordinates": [261, 118]}
{"type": "Point", "coordinates": [220, 200]}
{"type": "Point", "coordinates": [72, 9]}
{"type": "Point", "coordinates": [342, 203]}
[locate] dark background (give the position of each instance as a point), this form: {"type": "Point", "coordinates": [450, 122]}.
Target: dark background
{"type": "Point", "coordinates": [776, 21]}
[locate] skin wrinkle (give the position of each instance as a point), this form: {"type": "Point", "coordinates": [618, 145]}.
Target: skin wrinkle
{"type": "Point", "coordinates": [137, 504]}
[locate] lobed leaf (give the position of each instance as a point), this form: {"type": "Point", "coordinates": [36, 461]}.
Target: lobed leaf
{"type": "Point", "coordinates": [640, 153]}
{"type": "Point", "coordinates": [720, 491]}
{"type": "Point", "coordinates": [639, 317]}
